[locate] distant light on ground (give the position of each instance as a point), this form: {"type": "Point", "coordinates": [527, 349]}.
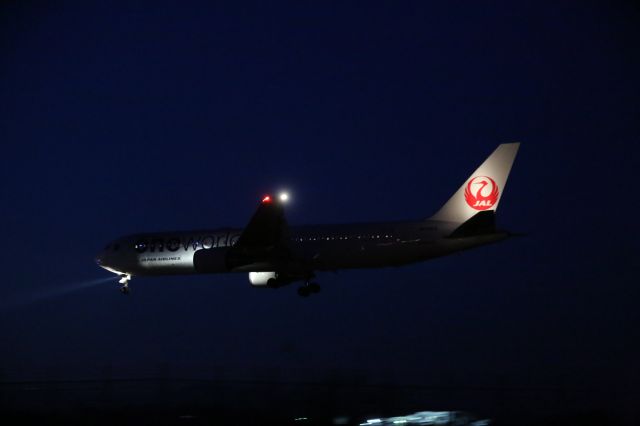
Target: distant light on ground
{"type": "Point", "coordinates": [430, 418]}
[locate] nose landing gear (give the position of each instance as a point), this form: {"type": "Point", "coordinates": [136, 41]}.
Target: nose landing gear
{"type": "Point", "coordinates": [124, 281]}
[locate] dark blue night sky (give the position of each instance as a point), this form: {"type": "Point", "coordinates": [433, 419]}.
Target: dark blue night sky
{"type": "Point", "coordinates": [119, 118]}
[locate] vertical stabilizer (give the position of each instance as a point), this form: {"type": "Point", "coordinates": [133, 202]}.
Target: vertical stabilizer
{"type": "Point", "coordinates": [483, 189]}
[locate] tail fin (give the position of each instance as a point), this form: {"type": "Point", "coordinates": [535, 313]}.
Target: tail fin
{"type": "Point", "coordinates": [483, 189]}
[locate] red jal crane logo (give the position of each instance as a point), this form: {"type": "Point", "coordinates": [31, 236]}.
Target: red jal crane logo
{"type": "Point", "coordinates": [481, 193]}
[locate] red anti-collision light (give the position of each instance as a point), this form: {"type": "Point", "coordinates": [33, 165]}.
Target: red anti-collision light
{"type": "Point", "coordinates": [266, 199]}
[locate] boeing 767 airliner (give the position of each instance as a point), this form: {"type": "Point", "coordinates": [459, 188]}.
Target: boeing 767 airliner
{"type": "Point", "coordinates": [275, 254]}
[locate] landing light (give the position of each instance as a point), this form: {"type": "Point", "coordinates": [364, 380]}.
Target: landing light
{"type": "Point", "coordinates": [284, 197]}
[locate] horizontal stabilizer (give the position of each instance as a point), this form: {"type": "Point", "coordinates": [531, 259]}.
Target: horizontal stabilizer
{"type": "Point", "coordinates": [481, 224]}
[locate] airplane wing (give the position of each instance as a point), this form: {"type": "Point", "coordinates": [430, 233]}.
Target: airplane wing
{"type": "Point", "coordinates": [266, 230]}
{"type": "Point", "coordinates": [261, 246]}
{"type": "Point", "coordinates": [263, 242]}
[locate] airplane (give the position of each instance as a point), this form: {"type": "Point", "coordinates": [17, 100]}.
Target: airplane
{"type": "Point", "coordinates": [275, 254]}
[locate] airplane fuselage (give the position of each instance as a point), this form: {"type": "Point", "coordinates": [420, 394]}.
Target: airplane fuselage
{"type": "Point", "coordinates": [316, 247]}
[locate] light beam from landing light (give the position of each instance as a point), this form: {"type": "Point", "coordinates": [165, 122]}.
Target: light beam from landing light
{"type": "Point", "coordinates": [43, 293]}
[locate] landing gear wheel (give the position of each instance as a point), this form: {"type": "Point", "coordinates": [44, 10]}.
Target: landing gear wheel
{"type": "Point", "coordinates": [314, 287]}
{"type": "Point", "coordinates": [304, 291]}
{"type": "Point", "coordinates": [124, 280]}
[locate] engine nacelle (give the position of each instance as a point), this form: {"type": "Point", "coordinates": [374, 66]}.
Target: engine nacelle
{"type": "Point", "coordinates": [263, 279]}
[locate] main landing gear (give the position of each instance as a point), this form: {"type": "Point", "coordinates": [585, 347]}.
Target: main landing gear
{"type": "Point", "coordinates": [308, 289]}
{"type": "Point", "coordinates": [124, 281]}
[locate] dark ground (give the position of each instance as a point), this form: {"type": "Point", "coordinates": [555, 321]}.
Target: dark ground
{"type": "Point", "coordinates": [267, 401]}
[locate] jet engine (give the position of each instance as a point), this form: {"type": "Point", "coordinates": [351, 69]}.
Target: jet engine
{"type": "Point", "coordinates": [263, 279]}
